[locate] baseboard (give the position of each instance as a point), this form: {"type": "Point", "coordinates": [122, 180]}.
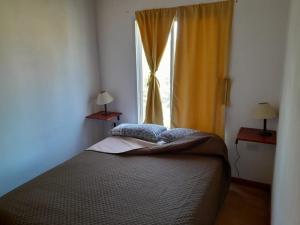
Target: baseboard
{"type": "Point", "coordinates": [251, 183]}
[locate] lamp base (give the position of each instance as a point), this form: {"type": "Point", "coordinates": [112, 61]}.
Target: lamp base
{"type": "Point", "coordinates": [265, 133]}
{"type": "Point", "coordinates": [105, 113]}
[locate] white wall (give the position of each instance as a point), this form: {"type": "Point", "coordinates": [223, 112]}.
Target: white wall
{"type": "Point", "coordinates": [259, 37]}
{"type": "Point", "coordinates": [256, 67]}
{"type": "Point", "coordinates": [48, 75]}
{"type": "Point", "coordinates": [286, 192]}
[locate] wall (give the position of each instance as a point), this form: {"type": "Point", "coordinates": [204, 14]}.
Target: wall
{"type": "Point", "coordinates": [256, 67]}
{"type": "Point", "coordinates": [286, 192]}
{"type": "Point", "coordinates": [48, 76]}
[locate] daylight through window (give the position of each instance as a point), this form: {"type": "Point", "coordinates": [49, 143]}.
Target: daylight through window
{"type": "Point", "coordinates": [164, 75]}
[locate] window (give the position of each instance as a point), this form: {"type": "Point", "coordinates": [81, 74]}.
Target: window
{"type": "Point", "coordinates": [164, 75]}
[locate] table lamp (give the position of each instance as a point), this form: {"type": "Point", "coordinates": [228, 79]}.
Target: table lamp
{"type": "Point", "coordinates": [265, 111]}
{"type": "Point", "coordinates": [104, 98]}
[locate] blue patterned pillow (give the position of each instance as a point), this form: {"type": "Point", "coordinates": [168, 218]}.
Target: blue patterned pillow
{"type": "Point", "coordinates": [176, 133]}
{"type": "Point", "coordinates": [147, 132]}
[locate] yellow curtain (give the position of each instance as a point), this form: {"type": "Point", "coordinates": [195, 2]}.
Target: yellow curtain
{"type": "Point", "coordinates": [201, 66]}
{"type": "Point", "coordinates": [155, 26]}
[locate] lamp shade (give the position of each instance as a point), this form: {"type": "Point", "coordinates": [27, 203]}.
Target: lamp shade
{"type": "Point", "coordinates": [104, 98]}
{"type": "Point", "coordinates": [265, 111]}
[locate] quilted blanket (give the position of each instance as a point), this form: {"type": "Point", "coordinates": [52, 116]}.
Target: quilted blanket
{"type": "Point", "coordinates": [180, 183]}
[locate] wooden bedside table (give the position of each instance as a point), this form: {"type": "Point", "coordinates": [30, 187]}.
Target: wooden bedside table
{"type": "Point", "coordinates": [252, 135]}
{"type": "Point", "coordinates": [105, 117]}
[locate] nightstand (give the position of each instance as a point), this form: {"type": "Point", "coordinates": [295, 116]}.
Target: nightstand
{"type": "Point", "coordinates": [252, 135]}
{"type": "Point", "coordinates": [110, 116]}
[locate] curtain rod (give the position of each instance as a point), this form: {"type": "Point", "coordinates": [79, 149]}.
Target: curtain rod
{"type": "Point", "coordinates": [235, 1]}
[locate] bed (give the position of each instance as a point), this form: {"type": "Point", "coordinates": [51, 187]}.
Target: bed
{"type": "Point", "coordinates": [183, 182]}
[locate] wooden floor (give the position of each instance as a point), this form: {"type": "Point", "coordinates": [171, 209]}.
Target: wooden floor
{"type": "Point", "coordinates": [245, 206]}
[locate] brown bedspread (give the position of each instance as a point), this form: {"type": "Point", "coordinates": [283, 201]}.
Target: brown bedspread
{"type": "Point", "coordinates": [180, 183]}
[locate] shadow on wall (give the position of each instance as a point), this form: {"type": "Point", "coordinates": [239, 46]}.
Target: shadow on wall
{"type": "Point", "coordinates": [49, 70]}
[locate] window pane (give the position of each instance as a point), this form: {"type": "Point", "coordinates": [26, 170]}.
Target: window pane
{"type": "Point", "coordinates": [164, 75]}
{"type": "Point", "coordinates": [146, 73]}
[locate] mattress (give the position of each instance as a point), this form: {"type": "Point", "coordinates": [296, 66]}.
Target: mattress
{"type": "Point", "coordinates": [97, 188]}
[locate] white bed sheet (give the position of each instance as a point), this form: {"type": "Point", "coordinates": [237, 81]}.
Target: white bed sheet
{"type": "Point", "coordinates": [117, 144]}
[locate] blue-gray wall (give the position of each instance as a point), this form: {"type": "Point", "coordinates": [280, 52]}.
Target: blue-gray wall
{"type": "Point", "coordinates": [48, 78]}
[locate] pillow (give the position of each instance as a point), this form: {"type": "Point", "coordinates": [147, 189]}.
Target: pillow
{"type": "Point", "coordinates": [147, 132]}
{"type": "Point", "coordinates": [176, 133]}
